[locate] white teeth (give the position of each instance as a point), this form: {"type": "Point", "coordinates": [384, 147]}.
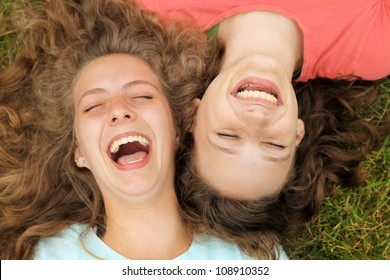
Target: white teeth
{"type": "Point", "coordinates": [257, 94]}
{"type": "Point", "coordinates": [132, 161]}
{"type": "Point", "coordinates": [129, 139]}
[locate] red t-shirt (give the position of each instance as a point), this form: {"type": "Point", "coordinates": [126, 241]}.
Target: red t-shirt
{"type": "Point", "coordinates": [341, 37]}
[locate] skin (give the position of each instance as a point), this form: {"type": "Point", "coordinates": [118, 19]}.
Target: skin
{"type": "Point", "coordinates": [115, 96]}
{"type": "Point", "coordinates": [245, 145]}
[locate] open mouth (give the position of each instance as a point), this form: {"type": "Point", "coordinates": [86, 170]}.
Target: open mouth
{"type": "Point", "coordinates": [258, 90]}
{"type": "Point", "coordinates": [251, 91]}
{"type": "Point", "coordinates": [129, 149]}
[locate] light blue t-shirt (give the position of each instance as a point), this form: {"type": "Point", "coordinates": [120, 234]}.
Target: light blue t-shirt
{"type": "Point", "coordinates": [79, 243]}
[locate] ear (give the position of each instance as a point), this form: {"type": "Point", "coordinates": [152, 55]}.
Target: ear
{"type": "Point", "coordinates": [195, 103]}
{"type": "Point", "coordinates": [195, 106]}
{"type": "Point", "coordinates": [177, 139]}
{"type": "Point", "coordinates": [79, 159]}
{"type": "Point", "coordinates": [300, 132]}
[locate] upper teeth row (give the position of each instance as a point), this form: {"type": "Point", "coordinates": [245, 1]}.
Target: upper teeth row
{"type": "Point", "coordinates": [257, 94]}
{"type": "Point", "coordinates": [129, 139]}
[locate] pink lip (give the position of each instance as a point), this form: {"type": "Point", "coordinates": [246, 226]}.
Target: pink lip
{"type": "Point", "coordinates": [135, 165]}
{"type": "Point", "coordinates": [260, 84]}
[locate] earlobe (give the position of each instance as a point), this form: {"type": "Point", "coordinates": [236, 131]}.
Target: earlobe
{"type": "Point", "coordinates": [300, 132]}
{"type": "Point", "coordinates": [80, 162]}
{"type": "Point", "coordinates": [195, 103]}
{"type": "Point", "coordinates": [79, 159]}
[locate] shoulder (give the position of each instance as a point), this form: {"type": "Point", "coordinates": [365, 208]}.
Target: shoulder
{"type": "Point", "coordinates": [206, 247]}
{"type": "Point", "coordinates": [67, 244]}
{"type": "Point", "coordinates": [281, 254]}
{"type": "Point", "coordinates": [341, 49]}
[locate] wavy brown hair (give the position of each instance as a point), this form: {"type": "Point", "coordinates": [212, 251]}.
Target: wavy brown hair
{"type": "Point", "coordinates": [41, 189]}
{"type": "Point", "coordinates": [330, 154]}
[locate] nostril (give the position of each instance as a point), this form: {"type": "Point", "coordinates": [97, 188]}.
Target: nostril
{"type": "Point", "coordinates": [125, 117]}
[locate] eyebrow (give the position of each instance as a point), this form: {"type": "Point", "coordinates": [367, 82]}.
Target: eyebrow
{"type": "Point", "coordinates": [234, 152]}
{"type": "Point", "coordinates": [278, 159]}
{"type": "Point", "coordinates": [125, 86]}
{"type": "Point", "coordinates": [139, 82]}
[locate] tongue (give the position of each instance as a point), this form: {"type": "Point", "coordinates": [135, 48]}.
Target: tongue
{"type": "Point", "coordinates": [128, 159]}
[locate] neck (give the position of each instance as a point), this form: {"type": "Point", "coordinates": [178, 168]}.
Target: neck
{"type": "Point", "coordinates": [263, 33]}
{"type": "Point", "coordinates": [155, 231]}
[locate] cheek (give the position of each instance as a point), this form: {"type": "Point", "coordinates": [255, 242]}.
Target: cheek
{"type": "Point", "coordinates": [160, 122]}
{"type": "Point", "coordinates": [206, 118]}
{"type": "Point", "coordinates": [200, 129]}
{"type": "Point", "coordinates": [87, 133]}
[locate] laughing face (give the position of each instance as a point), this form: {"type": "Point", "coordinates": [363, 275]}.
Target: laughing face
{"type": "Point", "coordinates": [124, 128]}
{"type": "Point", "coordinates": [247, 129]}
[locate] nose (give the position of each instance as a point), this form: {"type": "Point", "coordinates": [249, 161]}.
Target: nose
{"type": "Point", "coordinates": [120, 110]}
{"type": "Point", "coordinates": [254, 123]}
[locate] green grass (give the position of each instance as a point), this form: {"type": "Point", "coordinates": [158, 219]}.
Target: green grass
{"type": "Point", "coordinates": [352, 223]}
{"type": "Point", "coordinates": [7, 35]}
{"type": "Point", "coordinates": [355, 223]}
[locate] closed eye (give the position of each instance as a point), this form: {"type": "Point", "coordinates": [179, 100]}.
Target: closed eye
{"type": "Point", "coordinates": [227, 135]}
{"type": "Point", "coordinates": [91, 108]}
{"type": "Point", "coordinates": [144, 97]}
{"type": "Point", "coordinates": [277, 145]}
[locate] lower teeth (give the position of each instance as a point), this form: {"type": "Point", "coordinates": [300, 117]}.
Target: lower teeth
{"type": "Point", "coordinates": [132, 161]}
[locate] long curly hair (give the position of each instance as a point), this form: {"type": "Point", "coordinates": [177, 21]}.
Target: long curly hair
{"type": "Point", "coordinates": [330, 154]}
{"type": "Point", "coordinates": [41, 189]}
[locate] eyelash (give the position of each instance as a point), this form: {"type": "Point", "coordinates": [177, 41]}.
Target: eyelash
{"type": "Point", "coordinates": [90, 108]}
{"type": "Point", "coordinates": [227, 135]}
{"type": "Point", "coordinates": [145, 97]}
{"type": "Point", "coordinates": [148, 97]}
{"type": "Point", "coordinates": [277, 145]}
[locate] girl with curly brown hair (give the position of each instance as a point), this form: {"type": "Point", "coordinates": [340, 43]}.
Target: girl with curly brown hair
{"type": "Point", "coordinates": [262, 151]}
{"type": "Point", "coordinates": [91, 111]}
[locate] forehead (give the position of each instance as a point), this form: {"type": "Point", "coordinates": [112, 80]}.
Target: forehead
{"type": "Point", "coordinates": [114, 70]}
{"type": "Point", "coordinates": [116, 63]}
